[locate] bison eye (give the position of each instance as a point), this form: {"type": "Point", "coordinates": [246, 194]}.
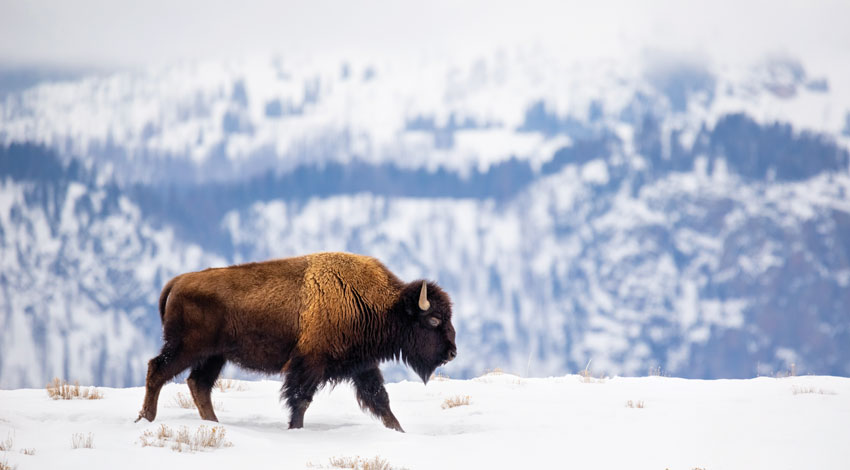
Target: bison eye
{"type": "Point", "coordinates": [434, 321]}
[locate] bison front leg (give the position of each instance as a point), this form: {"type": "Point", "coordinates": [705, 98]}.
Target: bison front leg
{"type": "Point", "coordinates": [372, 396]}
{"type": "Point", "coordinates": [300, 385]}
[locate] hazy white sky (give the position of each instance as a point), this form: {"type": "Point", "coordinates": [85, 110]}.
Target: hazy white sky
{"type": "Point", "coordinates": [132, 33]}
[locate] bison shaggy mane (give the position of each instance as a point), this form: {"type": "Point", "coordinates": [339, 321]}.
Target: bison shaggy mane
{"type": "Point", "coordinates": [325, 317]}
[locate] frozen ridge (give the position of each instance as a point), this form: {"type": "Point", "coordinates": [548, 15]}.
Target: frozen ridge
{"type": "Point", "coordinates": [510, 422]}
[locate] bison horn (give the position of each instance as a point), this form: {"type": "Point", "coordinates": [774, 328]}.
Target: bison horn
{"type": "Point", "coordinates": [423, 298]}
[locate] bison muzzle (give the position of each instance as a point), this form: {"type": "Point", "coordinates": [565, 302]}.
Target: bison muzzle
{"type": "Point", "coordinates": [326, 317]}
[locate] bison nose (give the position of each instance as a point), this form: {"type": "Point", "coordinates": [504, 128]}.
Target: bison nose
{"type": "Point", "coordinates": [452, 354]}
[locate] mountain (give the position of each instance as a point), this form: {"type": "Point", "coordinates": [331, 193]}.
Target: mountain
{"type": "Point", "coordinates": [79, 267]}
{"type": "Point", "coordinates": [617, 216]}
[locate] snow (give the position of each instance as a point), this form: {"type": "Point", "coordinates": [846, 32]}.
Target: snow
{"type": "Point", "coordinates": [511, 422]}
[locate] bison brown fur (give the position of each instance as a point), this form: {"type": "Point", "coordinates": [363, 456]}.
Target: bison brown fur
{"type": "Point", "coordinates": [319, 318]}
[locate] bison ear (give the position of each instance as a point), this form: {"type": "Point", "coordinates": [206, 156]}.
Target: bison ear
{"type": "Point", "coordinates": [424, 305]}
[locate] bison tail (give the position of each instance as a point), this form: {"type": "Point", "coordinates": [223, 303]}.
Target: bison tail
{"type": "Point", "coordinates": [163, 298]}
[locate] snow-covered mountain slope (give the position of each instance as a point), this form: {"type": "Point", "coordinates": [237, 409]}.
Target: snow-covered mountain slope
{"type": "Point", "coordinates": [636, 215]}
{"type": "Point", "coordinates": [230, 120]}
{"type": "Point", "coordinates": [78, 267]}
{"type": "Point", "coordinates": [570, 270]}
{"type": "Point", "coordinates": [510, 422]}
{"type": "Point", "coordinates": [702, 274]}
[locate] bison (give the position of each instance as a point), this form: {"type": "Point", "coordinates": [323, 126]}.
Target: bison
{"type": "Point", "coordinates": [321, 318]}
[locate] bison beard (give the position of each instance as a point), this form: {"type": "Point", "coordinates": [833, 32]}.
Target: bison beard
{"type": "Point", "coordinates": [319, 318]}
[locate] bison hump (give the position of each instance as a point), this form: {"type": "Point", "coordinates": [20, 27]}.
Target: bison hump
{"type": "Point", "coordinates": [344, 295]}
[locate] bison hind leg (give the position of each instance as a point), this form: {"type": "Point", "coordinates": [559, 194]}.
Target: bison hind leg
{"type": "Point", "coordinates": [372, 396]}
{"type": "Point", "coordinates": [201, 381]}
{"type": "Point", "coordinates": [170, 362]}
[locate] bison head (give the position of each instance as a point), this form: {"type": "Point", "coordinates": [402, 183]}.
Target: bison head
{"type": "Point", "coordinates": [431, 339]}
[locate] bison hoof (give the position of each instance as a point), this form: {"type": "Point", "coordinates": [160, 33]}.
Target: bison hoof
{"type": "Point", "coordinates": [394, 425]}
{"type": "Point", "coordinates": [145, 415]}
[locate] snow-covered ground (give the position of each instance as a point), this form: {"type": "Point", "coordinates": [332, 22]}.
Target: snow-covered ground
{"type": "Point", "coordinates": [511, 422]}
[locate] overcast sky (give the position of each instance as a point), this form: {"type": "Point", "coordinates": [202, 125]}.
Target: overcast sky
{"type": "Point", "coordinates": [137, 33]}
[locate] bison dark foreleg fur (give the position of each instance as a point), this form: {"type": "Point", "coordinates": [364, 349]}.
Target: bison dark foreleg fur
{"type": "Point", "coordinates": [372, 396]}
{"type": "Point", "coordinates": [298, 389]}
{"type": "Point", "coordinates": [201, 382]}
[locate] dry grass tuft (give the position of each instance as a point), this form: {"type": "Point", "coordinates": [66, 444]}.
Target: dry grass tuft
{"type": "Point", "coordinates": [791, 372]}
{"type": "Point", "coordinates": [439, 376]}
{"type": "Point", "coordinates": [185, 400]}
{"type": "Point", "coordinates": [802, 390]}
{"type": "Point", "coordinates": [228, 385]}
{"type": "Point", "coordinates": [82, 441]}
{"type": "Point", "coordinates": [182, 440]}
{"type": "Point", "coordinates": [156, 439]}
{"type": "Point", "coordinates": [62, 390]}
{"type": "Point", "coordinates": [455, 401]}
{"type": "Point", "coordinates": [496, 371]}
{"type": "Point", "coordinates": [657, 372]}
{"type": "Point", "coordinates": [358, 463]}
{"type": "Point", "coordinates": [210, 438]}
{"type": "Point", "coordinates": [587, 377]}
{"type": "Point", "coordinates": [4, 465]}
{"type": "Point", "coordinates": [29, 451]}
{"type": "Point", "coordinates": [497, 375]}
{"type": "Point", "coordinates": [634, 404]}
{"type": "Point", "coordinates": [7, 444]}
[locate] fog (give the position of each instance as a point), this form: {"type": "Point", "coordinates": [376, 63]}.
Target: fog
{"type": "Point", "coordinates": [96, 33]}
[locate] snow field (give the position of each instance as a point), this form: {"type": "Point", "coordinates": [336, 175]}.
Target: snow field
{"type": "Point", "coordinates": [510, 422]}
